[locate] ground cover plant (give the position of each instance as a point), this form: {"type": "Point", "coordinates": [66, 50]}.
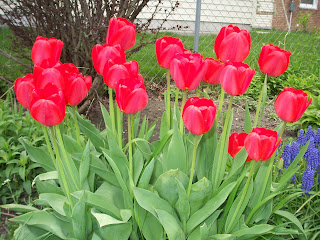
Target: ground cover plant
{"type": "Point", "coordinates": [191, 183]}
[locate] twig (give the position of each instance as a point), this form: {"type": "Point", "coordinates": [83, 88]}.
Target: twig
{"type": "Point", "coordinates": [6, 80]}
{"type": "Point", "coordinates": [8, 214]}
{"type": "Point", "coordinates": [89, 107]}
{"type": "Point", "coordinates": [7, 55]}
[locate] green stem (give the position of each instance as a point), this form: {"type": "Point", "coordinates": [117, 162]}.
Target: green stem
{"type": "Point", "coordinates": [196, 138]}
{"type": "Point", "coordinates": [168, 107]}
{"type": "Point", "coordinates": [111, 110]}
{"type": "Point", "coordinates": [66, 156]}
{"type": "Point", "coordinates": [176, 97]}
{"type": "Point", "coordinates": [223, 137]}
{"type": "Point", "coordinates": [74, 108]}
{"type": "Point", "coordinates": [60, 168]}
{"type": "Point", "coordinates": [130, 119]}
{"type": "Point", "coordinates": [182, 105]}
{"type": "Point", "coordinates": [220, 104]}
{"type": "Point", "coordinates": [120, 126]}
{"type": "Point", "coordinates": [259, 102]}
{"type": "Point", "coordinates": [45, 132]}
{"type": "Point", "coordinates": [244, 193]}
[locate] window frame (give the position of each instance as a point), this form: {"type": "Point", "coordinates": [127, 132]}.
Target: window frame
{"type": "Point", "coordinates": [313, 6]}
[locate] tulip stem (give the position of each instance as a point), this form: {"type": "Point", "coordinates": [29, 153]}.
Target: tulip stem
{"type": "Point", "coordinates": [130, 121]}
{"type": "Point", "coordinates": [60, 168]}
{"type": "Point", "coordinates": [176, 97]}
{"type": "Point", "coordinates": [74, 108]}
{"type": "Point", "coordinates": [182, 105]}
{"type": "Point", "coordinates": [259, 102]}
{"type": "Point", "coordinates": [196, 138]}
{"type": "Point", "coordinates": [111, 110]}
{"type": "Point", "coordinates": [60, 140]}
{"type": "Point", "coordinates": [223, 139]}
{"type": "Point", "coordinates": [120, 126]}
{"type": "Point", "coordinates": [220, 104]}
{"type": "Point", "coordinates": [46, 136]}
{"type": "Point", "coordinates": [243, 195]}
{"type": "Point", "coordinates": [168, 99]}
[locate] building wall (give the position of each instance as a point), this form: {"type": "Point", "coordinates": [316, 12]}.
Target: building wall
{"type": "Point", "coordinates": [279, 19]}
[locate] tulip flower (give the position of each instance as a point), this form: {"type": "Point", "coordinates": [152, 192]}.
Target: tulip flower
{"type": "Point", "coordinates": [232, 44]}
{"type": "Point", "coordinates": [112, 75]}
{"type": "Point", "coordinates": [106, 56]}
{"type": "Point", "coordinates": [261, 143]}
{"type": "Point", "coordinates": [121, 31]}
{"type": "Point", "coordinates": [48, 50]}
{"type": "Point", "coordinates": [198, 115]}
{"type": "Point", "coordinates": [48, 105]}
{"type": "Point", "coordinates": [166, 49]}
{"type": "Point", "coordinates": [235, 78]}
{"type": "Point", "coordinates": [44, 76]}
{"type": "Point", "coordinates": [131, 95]}
{"type": "Point", "coordinates": [23, 88]}
{"type": "Point", "coordinates": [214, 69]}
{"type": "Point", "coordinates": [187, 70]}
{"type": "Point", "coordinates": [236, 143]}
{"type": "Point", "coordinates": [76, 85]}
{"type": "Point", "coordinates": [290, 104]}
{"type": "Point", "coordinates": [273, 60]}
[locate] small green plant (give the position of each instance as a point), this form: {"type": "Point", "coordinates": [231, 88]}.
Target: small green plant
{"type": "Point", "coordinates": [303, 20]}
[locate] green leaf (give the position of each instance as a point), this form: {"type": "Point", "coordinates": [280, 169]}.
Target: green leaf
{"type": "Point", "coordinates": [220, 237]}
{"type": "Point", "coordinates": [247, 120]}
{"type": "Point", "coordinates": [105, 219]}
{"type": "Point", "coordinates": [209, 208]}
{"type": "Point", "coordinates": [80, 219]}
{"type": "Point", "coordinates": [138, 165]}
{"type": "Point", "coordinates": [182, 205]}
{"type": "Point", "coordinates": [38, 155]}
{"type": "Point", "coordinates": [200, 193]}
{"type": "Point", "coordinates": [84, 165]}
{"type": "Point", "coordinates": [53, 175]}
{"type": "Point", "coordinates": [149, 201]}
{"type": "Point", "coordinates": [25, 232]}
{"type": "Point", "coordinates": [254, 231]}
{"type": "Point", "coordinates": [48, 187]}
{"type": "Point", "coordinates": [291, 218]}
{"type": "Point", "coordinates": [19, 208]}
{"type": "Point", "coordinates": [46, 221]}
{"type": "Point", "coordinates": [175, 155]}
{"type": "Point", "coordinates": [56, 201]}
{"type": "Point", "coordinates": [71, 145]}
{"type": "Point", "coordinates": [170, 225]}
{"type": "Point", "coordinates": [162, 143]}
{"type": "Point", "coordinates": [166, 185]}
{"type": "Point", "coordinates": [146, 175]}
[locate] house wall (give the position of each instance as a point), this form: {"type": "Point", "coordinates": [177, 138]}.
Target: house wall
{"type": "Point", "coordinates": [279, 19]}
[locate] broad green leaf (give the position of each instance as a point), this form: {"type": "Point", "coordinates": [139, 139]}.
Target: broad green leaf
{"type": "Point", "coordinates": [137, 166]}
{"type": "Point", "coordinates": [292, 219]}
{"type": "Point", "coordinates": [166, 185]}
{"type": "Point", "coordinates": [200, 193]}
{"type": "Point", "coordinates": [25, 232]}
{"type": "Point", "coordinates": [170, 225]}
{"type": "Point", "coordinates": [238, 161]}
{"type": "Point", "coordinates": [80, 220]}
{"type": "Point", "coordinates": [146, 175]}
{"type": "Point", "coordinates": [48, 187]}
{"type": "Point", "coordinates": [56, 201]}
{"type": "Point", "coordinates": [285, 200]}
{"type": "Point", "coordinates": [162, 143]}
{"type": "Point", "coordinates": [182, 205]}
{"type": "Point", "coordinates": [84, 165]}
{"type": "Point", "coordinates": [105, 219]}
{"type": "Point", "coordinates": [253, 231]}
{"type": "Point", "coordinates": [247, 120]}
{"type": "Point", "coordinates": [209, 208]}
{"type": "Point", "coordinates": [221, 237]}
{"type": "Point", "coordinates": [53, 175]}
{"type": "Point", "coordinates": [46, 221]}
{"type": "Point", "coordinates": [149, 201]}
{"type": "Point", "coordinates": [144, 147]}
{"type": "Point", "coordinates": [71, 145]}
{"type": "Point", "coordinates": [19, 208]}
{"type": "Point", "coordinates": [39, 155]}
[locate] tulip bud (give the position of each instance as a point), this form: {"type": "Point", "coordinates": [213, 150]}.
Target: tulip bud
{"type": "Point", "coordinates": [23, 88]}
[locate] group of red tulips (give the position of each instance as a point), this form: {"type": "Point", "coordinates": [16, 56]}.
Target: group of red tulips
{"type": "Point", "coordinates": [53, 85]}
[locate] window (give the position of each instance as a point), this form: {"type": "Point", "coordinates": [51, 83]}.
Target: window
{"type": "Point", "coordinates": [309, 4]}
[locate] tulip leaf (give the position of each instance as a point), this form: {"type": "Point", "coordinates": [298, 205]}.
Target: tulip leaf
{"type": "Point", "coordinates": [80, 219]}
{"type": "Point", "coordinates": [253, 231]}
{"type": "Point", "coordinates": [182, 205]}
{"type": "Point", "coordinates": [105, 115]}
{"type": "Point", "coordinates": [209, 208]}
{"type": "Point", "coordinates": [53, 175]}
{"type": "Point", "coordinates": [162, 143]}
{"type": "Point", "coordinates": [292, 219]}
{"type": "Point", "coordinates": [238, 161]}
{"type": "Point", "coordinates": [138, 165]}
{"type": "Point", "coordinates": [146, 175]}
{"type": "Point", "coordinates": [46, 221]}
{"type": "Point", "coordinates": [200, 194]}
{"type": "Point", "coordinates": [220, 237]}
{"type": "Point", "coordinates": [84, 165]}
{"type": "Point", "coordinates": [175, 154]}
{"type": "Point", "coordinates": [170, 225]}
{"type": "Point", "coordinates": [48, 187]}
{"type": "Point", "coordinates": [56, 201]}
{"type": "Point", "coordinates": [167, 186]}
{"type": "Point", "coordinates": [19, 208]}
{"type": "Point", "coordinates": [247, 120]}
{"type": "Point", "coordinates": [26, 232]}
{"type": "Point", "coordinates": [149, 201]}
{"type": "Point", "coordinates": [39, 155]}
{"type": "Point", "coordinates": [105, 219]}
{"type": "Point", "coordinates": [71, 145]}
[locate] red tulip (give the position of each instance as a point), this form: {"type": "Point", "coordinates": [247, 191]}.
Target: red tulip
{"type": "Point", "coordinates": [23, 88]}
{"type": "Point", "coordinates": [43, 76]}
{"type": "Point", "coordinates": [290, 104]}
{"type": "Point", "coordinates": [106, 56]}
{"type": "Point", "coordinates": [214, 69]}
{"type": "Point", "coordinates": [121, 31]}
{"type": "Point", "coordinates": [236, 143]}
{"type": "Point", "coordinates": [76, 85]}
{"type": "Point", "coordinates": [261, 143]}
{"type": "Point", "coordinates": [273, 60]}
{"type": "Point", "coordinates": [48, 50]}
{"type": "Point", "coordinates": [198, 115]}
{"type": "Point", "coordinates": [112, 75]}
{"type": "Point", "coordinates": [232, 44]}
{"type": "Point", "coordinates": [166, 49]}
{"type": "Point", "coordinates": [187, 70]}
{"type": "Point", "coordinates": [235, 78]}
{"type": "Point", "coordinates": [48, 105]}
{"type": "Point", "coordinates": [131, 95]}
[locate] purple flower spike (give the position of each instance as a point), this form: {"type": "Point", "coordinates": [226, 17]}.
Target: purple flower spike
{"type": "Point", "coordinates": [308, 179]}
